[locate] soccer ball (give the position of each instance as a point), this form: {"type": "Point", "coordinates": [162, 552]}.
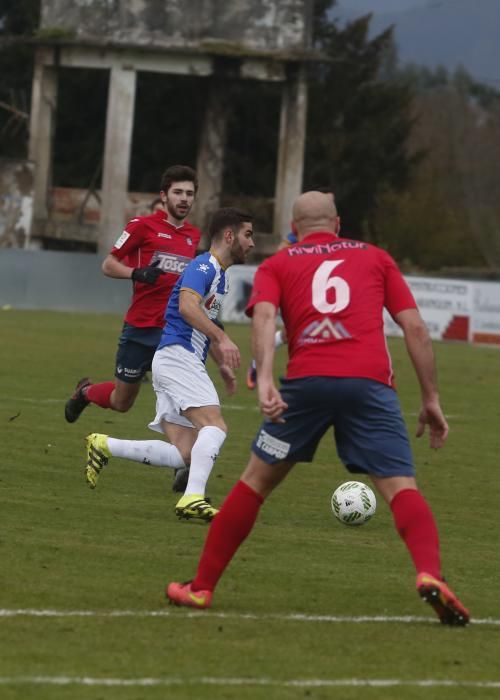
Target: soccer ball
{"type": "Point", "coordinates": [353, 503]}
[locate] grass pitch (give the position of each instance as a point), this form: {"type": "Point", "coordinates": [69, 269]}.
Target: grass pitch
{"type": "Point", "coordinates": [308, 608]}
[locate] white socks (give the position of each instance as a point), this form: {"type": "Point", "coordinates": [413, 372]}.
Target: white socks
{"type": "Point", "coordinates": [203, 455]}
{"type": "Point", "coordinates": [158, 453]}
{"type": "Point", "coordinates": [154, 452]}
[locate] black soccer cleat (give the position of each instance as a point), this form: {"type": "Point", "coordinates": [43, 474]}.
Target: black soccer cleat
{"type": "Point", "coordinates": [181, 477]}
{"type": "Point", "coordinates": [75, 405]}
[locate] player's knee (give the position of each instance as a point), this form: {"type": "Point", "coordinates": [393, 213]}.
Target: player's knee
{"type": "Point", "coordinates": [220, 423]}
{"type": "Point", "coordinates": [123, 405]}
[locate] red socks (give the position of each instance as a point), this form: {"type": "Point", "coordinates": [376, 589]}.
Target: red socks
{"type": "Point", "coordinates": [415, 523]}
{"type": "Point", "coordinates": [100, 394]}
{"type": "Point", "coordinates": [412, 516]}
{"type": "Point", "coordinates": [228, 530]}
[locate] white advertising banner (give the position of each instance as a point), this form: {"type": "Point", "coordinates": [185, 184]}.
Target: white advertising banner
{"type": "Point", "coordinates": [445, 305]}
{"type": "Point", "coordinates": [453, 309]}
{"type": "Point", "coordinates": [240, 279]}
{"type": "Point", "coordinates": [486, 313]}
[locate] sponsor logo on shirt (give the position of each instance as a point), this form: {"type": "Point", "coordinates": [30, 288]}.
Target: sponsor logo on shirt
{"type": "Point", "coordinates": [123, 239]}
{"type": "Point", "coordinates": [170, 262]}
{"type": "Point", "coordinates": [163, 235]}
{"type": "Point", "coordinates": [213, 304]}
{"type": "Point", "coordinates": [323, 332]}
{"type": "Point", "coordinates": [325, 248]}
{"type": "Point", "coordinates": [272, 446]}
{"type": "Point", "coordinates": [202, 267]}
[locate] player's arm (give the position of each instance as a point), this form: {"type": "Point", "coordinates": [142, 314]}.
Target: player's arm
{"type": "Point", "coordinates": [189, 308]}
{"type": "Point", "coordinates": [419, 346]}
{"type": "Point", "coordinates": [112, 267]}
{"type": "Point", "coordinates": [263, 344]}
{"type": "Point", "coordinates": [263, 333]}
{"type": "Point", "coordinates": [226, 372]}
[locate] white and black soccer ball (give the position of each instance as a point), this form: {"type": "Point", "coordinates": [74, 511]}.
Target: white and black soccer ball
{"type": "Point", "coordinates": [353, 503]}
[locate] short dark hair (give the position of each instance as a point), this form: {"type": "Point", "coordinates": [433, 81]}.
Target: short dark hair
{"type": "Point", "coordinates": [178, 173]}
{"type": "Point", "coordinates": [227, 217]}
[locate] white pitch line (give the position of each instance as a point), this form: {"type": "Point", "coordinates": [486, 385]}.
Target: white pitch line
{"type": "Point", "coordinates": [291, 617]}
{"type": "Point", "coordinates": [207, 680]}
{"type": "Point", "coordinates": [27, 399]}
{"type": "Point", "coordinates": [225, 407]}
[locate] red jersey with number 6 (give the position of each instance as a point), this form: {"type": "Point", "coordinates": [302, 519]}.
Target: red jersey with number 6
{"type": "Point", "coordinates": [331, 292]}
{"type": "Point", "coordinates": [151, 239]}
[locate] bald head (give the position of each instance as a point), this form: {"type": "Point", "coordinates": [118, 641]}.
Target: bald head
{"type": "Point", "coordinates": [314, 211]}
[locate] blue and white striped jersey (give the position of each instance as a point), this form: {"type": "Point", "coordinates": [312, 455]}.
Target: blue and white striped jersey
{"type": "Point", "coordinates": [206, 277]}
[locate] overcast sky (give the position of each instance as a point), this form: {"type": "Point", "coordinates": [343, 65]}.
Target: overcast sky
{"type": "Point", "coordinates": [380, 5]}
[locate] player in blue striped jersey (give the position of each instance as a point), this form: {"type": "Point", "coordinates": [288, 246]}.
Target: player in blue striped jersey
{"type": "Point", "coordinates": [187, 405]}
{"type": "Point", "coordinates": [206, 279]}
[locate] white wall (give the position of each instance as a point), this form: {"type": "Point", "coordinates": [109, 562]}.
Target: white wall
{"type": "Point", "coordinates": [453, 309]}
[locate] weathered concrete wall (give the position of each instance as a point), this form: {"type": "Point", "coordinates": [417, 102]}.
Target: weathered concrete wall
{"type": "Point", "coordinates": [41, 279]}
{"type": "Point", "coordinates": [16, 203]}
{"type": "Point", "coordinates": [76, 213]}
{"type": "Point", "coordinates": [264, 25]}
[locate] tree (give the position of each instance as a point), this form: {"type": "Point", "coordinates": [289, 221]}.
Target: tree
{"type": "Point", "coordinates": [453, 195]}
{"type": "Point", "coordinates": [18, 18]}
{"type": "Point", "coordinates": [359, 123]}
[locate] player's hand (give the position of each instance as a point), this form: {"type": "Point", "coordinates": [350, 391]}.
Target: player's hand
{"type": "Point", "coordinates": [228, 352]}
{"type": "Point", "coordinates": [432, 415]}
{"type": "Point", "coordinates": [229, 378]}
{"type": "Point", "coordinates": [147, 275]}
{"type": "Point", "coordinates": [271, 404]}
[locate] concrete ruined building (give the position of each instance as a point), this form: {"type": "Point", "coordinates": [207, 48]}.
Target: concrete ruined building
{"type": "Point", "coordinates": [264, 40]}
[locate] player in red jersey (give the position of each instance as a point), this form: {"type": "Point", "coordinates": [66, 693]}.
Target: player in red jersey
{"type": "Point", "coordinates": [153, 251]}
{"type": "Point", "coordinates": [331, 292]}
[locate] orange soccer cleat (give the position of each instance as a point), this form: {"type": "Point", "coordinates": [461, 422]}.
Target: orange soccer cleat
{"type": "Point", "coordinates": [181, 594]}
{"type": "Point", "coordinates": [251, 376]}
{"type": "Point", "coordinates": [446, 604]}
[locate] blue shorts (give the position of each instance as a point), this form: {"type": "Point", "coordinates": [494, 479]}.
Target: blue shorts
{"type": "Point", "coordinates": [369, 430]}
{"type": "Point", "coordinates": [136, 349]}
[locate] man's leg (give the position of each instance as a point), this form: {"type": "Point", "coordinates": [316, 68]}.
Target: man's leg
{"type": "Point", "coordinates": [212, 432]}
{"type": "Point", "coordinates": [157, 453]}
{"type": "Point", "coordinates": [133, 359]}
{"type": "Point", "coordinates": [416, 525]}
{"type": "Point", "coordinates": [132, 362]}
{"type": "Point", "coordinates": [118, 395]}
{"type": "Point", "coordinates": [184, 441]}
{"type": "Point", "coordinates": [229, 529]}
{"type": "Point", "coordinates": [123, 396]}
{"type": "Point", "coordinates": [414, 521]}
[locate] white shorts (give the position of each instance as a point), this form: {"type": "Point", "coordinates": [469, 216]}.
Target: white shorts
{"type": "Point", "coordinates": [181, 381]}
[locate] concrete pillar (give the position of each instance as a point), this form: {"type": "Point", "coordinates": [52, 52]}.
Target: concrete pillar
{"type": "Point", "coordinates": [43, 109]}
{"type": "Point", "coordinates": [117, 147]}
{"type": "Point", "coordinates": [210, 162]}
{"type": "Point", "coordinates": [291, 149]}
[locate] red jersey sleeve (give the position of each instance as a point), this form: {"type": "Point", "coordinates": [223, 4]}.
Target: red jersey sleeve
{"type": "Point", "coordinates": [266, 286]}
{"type": "Point", "coordinates": [130, 240]}
{"type": "Point", "coordinates": [398, 296]}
